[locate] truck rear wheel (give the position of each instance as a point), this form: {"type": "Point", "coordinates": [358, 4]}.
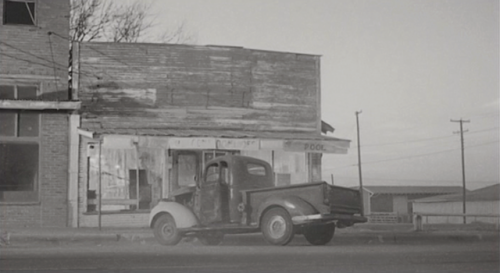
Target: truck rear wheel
{"type": "Point", "coordinates": [277, 226]}
{"type": "Point", "coordinates": [165, 230]}
{"type": "Point", "coordinates": [319, 234]}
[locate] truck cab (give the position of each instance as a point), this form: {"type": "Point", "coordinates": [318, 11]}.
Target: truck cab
{"type": "Point", "coordinates": [220, 189]}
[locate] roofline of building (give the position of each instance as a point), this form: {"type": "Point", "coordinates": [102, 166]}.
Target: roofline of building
{"type": "Point", "coordinates": [208, 46]}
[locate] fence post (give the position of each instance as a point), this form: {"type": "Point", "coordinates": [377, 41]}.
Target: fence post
{"type": "Point", "coordinates": [417, 223]}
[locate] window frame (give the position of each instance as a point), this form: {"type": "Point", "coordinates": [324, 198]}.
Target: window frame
{"type": "Point", "coordinates": [36, 186]}
{"type": "Point", "coordinates": [33, 16]}
{"type": "Point", "coordinates": [16, 86]}
{"type": "Point", "coordinates": [17, 139]}
{"type": "Point", "coordinates": [213, 165]}
{"type": "Point", "coordinates": [17, 113]}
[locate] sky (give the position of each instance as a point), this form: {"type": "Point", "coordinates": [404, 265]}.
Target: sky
{"type": "Point", "coordinates": [410, 66]}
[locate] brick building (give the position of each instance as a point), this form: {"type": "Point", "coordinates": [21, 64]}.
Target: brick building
{"type": "Point", "coordinates": [152, 115]}
{"type": "Point", "coordinates": [35, 111]}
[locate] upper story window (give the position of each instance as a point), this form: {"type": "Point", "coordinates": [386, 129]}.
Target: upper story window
{"type": "Point", "coordinates": [18, 92]}
{"type": "Point", "coordinates": [17, 123]}
{"type": "Point", "coordinates": [19, 12]}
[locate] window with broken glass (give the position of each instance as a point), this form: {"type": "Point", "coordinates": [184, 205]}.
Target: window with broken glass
{"type": "Point", "coordinates": [19, 12]}
{"type": "Point", "coordinates": [19, 147]}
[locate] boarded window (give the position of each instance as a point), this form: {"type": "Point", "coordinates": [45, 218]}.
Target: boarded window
{"type": "Point", "coordinates": [18, 171]}
{"type": "Point", "coordinates": [17, 12]}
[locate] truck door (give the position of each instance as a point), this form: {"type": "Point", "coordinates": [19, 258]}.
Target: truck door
{"type": "Point", "coordinates": [210, 202]}
{"type": "Point", "coordinates": [215, 194]}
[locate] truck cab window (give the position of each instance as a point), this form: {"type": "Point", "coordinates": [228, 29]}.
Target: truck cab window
{"type": "Point", "coordinates": [224, 173]}
{"type": "Point", "coordinates": [212, 173]}
{"type": "Point", "coordinates": [256, 169]}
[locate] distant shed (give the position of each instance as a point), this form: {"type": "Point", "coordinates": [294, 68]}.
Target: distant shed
{"type": "Point", "coordinates": [481, 201]}
{"type": "Point", "coordinates": [394, 202]}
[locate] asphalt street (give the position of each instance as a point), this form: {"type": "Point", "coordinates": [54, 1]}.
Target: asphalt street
{"type": "Point", "coordinates": [299, 257]}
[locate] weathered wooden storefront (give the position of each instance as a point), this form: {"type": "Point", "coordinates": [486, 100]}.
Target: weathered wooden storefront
{"type": "Point", "coordinates": [152, 115]}
{"type": "Point", "coordinates": [133, 172]}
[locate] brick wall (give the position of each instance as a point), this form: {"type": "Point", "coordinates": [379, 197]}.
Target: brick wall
{"type": "Point", "coordinates": [54, 169]}
{"type": "Point", "coordinates": [28, 54]}
{"type": "Point", "coordinates": [51, 208]}
{"type": "Point", "coordinates": [30, 50]}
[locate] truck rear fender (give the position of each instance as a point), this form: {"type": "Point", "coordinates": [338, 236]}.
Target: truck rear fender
{"type": "Point", "coordinates": [295, 206]}
{"type": "Point", "coordinates": [182, 215]}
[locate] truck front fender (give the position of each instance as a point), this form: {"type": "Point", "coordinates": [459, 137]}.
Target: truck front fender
{"type": "Point", "coordinates": [295, 206]}
{"type": "Point", "coordinates": [182, 215]}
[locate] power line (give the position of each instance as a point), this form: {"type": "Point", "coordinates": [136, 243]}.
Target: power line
{"type": "Point", "coordinates": [39, 63]}
{"type": "Point", "coordinates": [423, 139]}
{"type": "Point", "coordinates": [413, 156]}
{"type": "Point", "coordinates": [53, 63]}
{"type": "Point", "coordinates": [416, 180]}
{"type": "Point", "coordinates": [31, 54]}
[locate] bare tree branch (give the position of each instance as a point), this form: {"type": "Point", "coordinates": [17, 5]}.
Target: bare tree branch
{"type": "Point", "coordinates": [104, 20]}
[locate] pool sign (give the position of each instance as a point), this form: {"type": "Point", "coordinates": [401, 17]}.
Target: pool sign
{"type": "Point", "coordinates": [316, 146]}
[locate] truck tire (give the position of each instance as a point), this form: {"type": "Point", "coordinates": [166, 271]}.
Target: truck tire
{"type": "Point", "coordinates": [277, 226]}
{"type": "Point", "coordinates": [165, 230]}
{"type": "Point", "coordinates": [319, 235]}
{"type": "Point", "coordinates": [211, 239]}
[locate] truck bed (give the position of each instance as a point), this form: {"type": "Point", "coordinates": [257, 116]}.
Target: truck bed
{"type": "Point", "coordinates": [327, 199]}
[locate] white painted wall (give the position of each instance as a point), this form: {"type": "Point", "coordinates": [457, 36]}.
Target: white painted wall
{"type": "Point", "coordinates": [400, 204]}
{"type": "Point", "coordinates": [474, 207]}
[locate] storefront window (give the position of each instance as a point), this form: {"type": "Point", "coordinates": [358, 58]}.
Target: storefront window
{"type": "Point", "coordinates": [18, 172]}
{"type": "Point", "coordinates": [187, 170]}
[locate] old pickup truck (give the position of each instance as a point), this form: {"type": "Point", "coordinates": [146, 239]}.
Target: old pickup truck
{"type": "Point", "coordinates": [237, 195]}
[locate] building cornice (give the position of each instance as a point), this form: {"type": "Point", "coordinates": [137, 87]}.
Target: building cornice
{"type": "Point", "coordinates": [39, 105]}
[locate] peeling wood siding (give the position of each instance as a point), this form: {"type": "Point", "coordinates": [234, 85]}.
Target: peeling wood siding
{"type": "Point", "coordinates": [175, 86]}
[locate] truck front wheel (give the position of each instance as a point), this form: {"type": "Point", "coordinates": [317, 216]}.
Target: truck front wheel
{"type": "Point", "coordinates": [165, 230]}
{"type": "Point", "coordinates": [319, 234]}
{"type": "Point", "coordinates": [277, 226]}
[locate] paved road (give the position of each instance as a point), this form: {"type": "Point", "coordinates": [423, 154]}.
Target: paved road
{"type": "Point", "coordinates": [136, 257]}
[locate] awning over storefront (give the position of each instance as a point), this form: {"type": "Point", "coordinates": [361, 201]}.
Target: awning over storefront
{"type": "Point", "coordinates": [220, 140]}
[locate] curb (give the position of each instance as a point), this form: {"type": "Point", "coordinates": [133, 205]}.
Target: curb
{"type": "Point", "coordinates": [63, 238]}
{"type": "Point", "coordinates": [257, 239]}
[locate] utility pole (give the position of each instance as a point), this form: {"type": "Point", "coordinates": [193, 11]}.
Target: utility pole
{"type": "Point", "coordinates": [461, 121]}
{"type": "Point", "coordinates": [361, 191]}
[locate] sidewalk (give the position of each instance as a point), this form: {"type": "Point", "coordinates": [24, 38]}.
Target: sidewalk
{"type": "Point", "coordinates": [361, 234]}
